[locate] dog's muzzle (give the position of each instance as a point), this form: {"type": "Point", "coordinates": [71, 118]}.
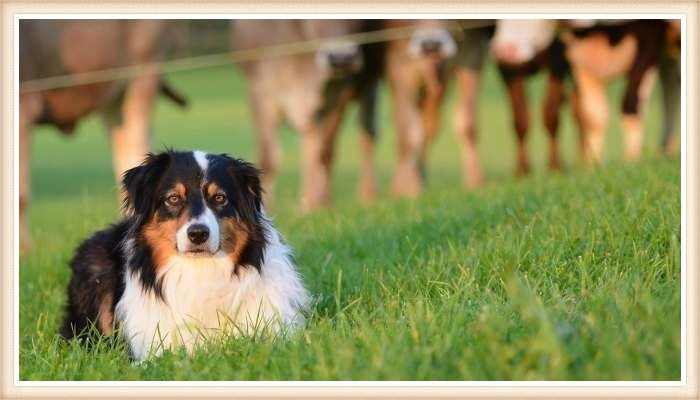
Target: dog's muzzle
{"type": "Point", "coordinates": [199, 235]}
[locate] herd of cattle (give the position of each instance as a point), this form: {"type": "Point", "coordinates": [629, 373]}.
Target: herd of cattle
{"type": "Point", "coordinates": [311, 90]}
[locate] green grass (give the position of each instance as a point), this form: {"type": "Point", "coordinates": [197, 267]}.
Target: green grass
{"type": "Point", "coordinates": [572, 276]}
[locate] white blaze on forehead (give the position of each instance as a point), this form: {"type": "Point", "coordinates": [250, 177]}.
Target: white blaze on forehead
{"type": "Point", "coordinates": [201, 158]}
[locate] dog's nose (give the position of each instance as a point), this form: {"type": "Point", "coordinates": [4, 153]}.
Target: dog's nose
{"type": "Point", "coordinates": [198, 233]}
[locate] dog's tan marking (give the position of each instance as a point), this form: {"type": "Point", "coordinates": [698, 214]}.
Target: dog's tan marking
{"type": "Point", "coordinates": [212, 189]}
{"type": "Point", "coordinates": [161, 237]}
{"type": "Point", "coordinates": [180, 189]}
{"type": "Point", "coordinates": [105, 316]}
{"type": "Point", "coordinates": [234, 238]}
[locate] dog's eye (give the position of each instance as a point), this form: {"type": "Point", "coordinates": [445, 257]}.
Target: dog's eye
{"type": "Point", "coordinates": [173, 200]}
{"type": "Point", "coordinates": [220, 198]}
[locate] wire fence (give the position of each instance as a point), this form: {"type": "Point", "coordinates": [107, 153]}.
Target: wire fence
{"type": "Point", "coordinates": [230, 57]}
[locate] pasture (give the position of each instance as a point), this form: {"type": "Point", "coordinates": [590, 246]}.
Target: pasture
{"type": "Point", "coordinates": [572, 276]}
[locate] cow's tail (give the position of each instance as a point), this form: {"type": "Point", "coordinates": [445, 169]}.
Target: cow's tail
{"type": "Point", "coordinates": [172, 94]}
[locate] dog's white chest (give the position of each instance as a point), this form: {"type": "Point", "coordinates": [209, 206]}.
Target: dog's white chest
{"type": "Point", "coordinates": [202, 297]}
{"type": "Point", "coordinates": [200, 293]}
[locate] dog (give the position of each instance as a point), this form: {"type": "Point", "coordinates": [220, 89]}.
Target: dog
{"type": "Point", "coordinates": [194, 256]}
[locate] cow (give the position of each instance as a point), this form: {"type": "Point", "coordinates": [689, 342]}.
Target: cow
{"type": "Point", "coordinates": [311, 90]}
{"type": "Point", "coordinates": [596, 52]}
{"type": "Point", "coordinates": [49, 48]}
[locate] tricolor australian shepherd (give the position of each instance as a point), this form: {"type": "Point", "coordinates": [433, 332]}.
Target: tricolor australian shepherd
{"type": "Point", "coordinates": [194, 256]}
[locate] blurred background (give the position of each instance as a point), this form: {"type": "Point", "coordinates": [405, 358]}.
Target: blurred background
{"type": "Point", "coordinates": [218, 116]}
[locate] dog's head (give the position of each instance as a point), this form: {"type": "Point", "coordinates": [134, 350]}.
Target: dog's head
{"type": "Point", "coordinates": [195, 204]}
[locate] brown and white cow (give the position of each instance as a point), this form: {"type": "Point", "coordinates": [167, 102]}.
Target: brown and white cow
{"type": "Point", "coordinates": [311, 90]}
{"type": "Point", "coordinates": [597, 51]}
{"type": "Point", "coordinates": [62, 47]}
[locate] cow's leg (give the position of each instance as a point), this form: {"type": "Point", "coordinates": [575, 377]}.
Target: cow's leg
{"type": "Point", "coordinates": [129, 123]}
{"type": "Point", "coordinates": [407, 181]}
{"type": "Point", "coordinates": [316, 148]}
{"type": "Point", "coordinates": [465, 125]}
{"type": "Point", "coordinates": [318, 143]}
{"type": "Point", "coordinates": [315, 181]}
{"type": "Point", "coordinates": [670, 76]}
{"type": "Point", "coordinates": [368, 134]}
{"type": "Point", "coordinates": [131, 137]}
{"type": "Point", "coordinates": [266, 117]}
{"type": "Point", "coordinates": [435, 92]}
{"type": "Point", "coordinates": [516, 94]}
{"type": "Point", "coordinates": [330, 126]}
{"type": "Point", "coordinates": [29, 110]}
{"type": "Point", "coordinates": [593, 111]}
{"type": "Point", "coordinates": [636, 98]}
{"type": "Point", "coordinates": [553, 102]}
{"type": "Point", "coordinates": [578, 119]}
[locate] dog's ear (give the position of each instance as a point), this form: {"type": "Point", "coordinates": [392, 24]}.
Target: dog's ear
{"type": "Point", "coordinates": [247, 176]}
{"type": "Point", "coordinates": [139, 184]}
{"type": "Point", "coordinates": [248, 205]}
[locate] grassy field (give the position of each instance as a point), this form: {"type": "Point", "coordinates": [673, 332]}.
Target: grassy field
{"type": "Point", "coordinates": [572, 276]}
